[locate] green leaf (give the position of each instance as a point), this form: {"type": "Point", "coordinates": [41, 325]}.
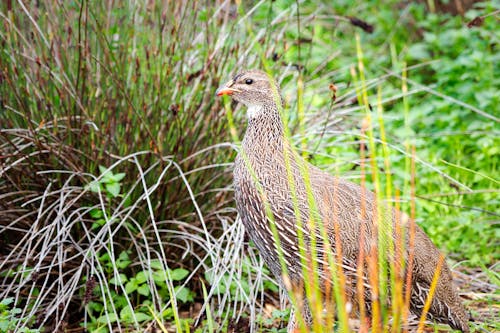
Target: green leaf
{"type": "Point", "coordinates": [156, 264]}
{"type": "Point", "coordinates": [140, 316]}
{"type": "Point", "coordinates": [96, 213]}
{"type": "Point", "coordinates": [144, 290]}
{"type": "Point", "coordinates": [183, 294]}
{"type": "Point", "coordinates": [419, 51]}
{"type": "Point", "coordinates": [7, 301]}
{"type": "Point", "coordinates": [107, 318]}
{"type": "Point", "coordinates": [113, 189]}
{"type": "Point", "coordinates": [271, 286]}
{"type": "Point", "coordinates": [119, 300]}
{"type": "Point", "coordinates": [123, 260]}
{"type": "Point", "coordinates": [168, 313]}
{"type": "Point", "coordinates": [126, 314]}
{"type": "Point", "coordinates": [102, 169]}
{"type": "Point", "coordinates": [178, 274]}
{"type": "Point", "coordinates": [123, 255]}
{"type": "Point", "coordinates": [107, 178]}
{"type": "Point", "coordinates": [121, 278]}
{"type": "Point", "coordinates": [4, 325]}
{"type": "Point", "coordinates": [159, 277]}
{"type": "Point", "coordinates": [15, 311]}
{"type": "Point", "coordinates": [94, 186]}
{"type": "Point", "coordinates": [95, 306]}
{"type": "Point", "coordinates": [141, 277]}
{"type": "Point", "coordinates": [117, 177]}
{"type": "Point", "coordinates": [131, 286]}
{"type": "Point", "coordinates": [98, 223]}
{"type": "Point", "coordinates": [209, 276]}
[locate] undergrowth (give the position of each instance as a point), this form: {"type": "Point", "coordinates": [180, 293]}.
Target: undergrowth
{"type": "Point", "coordinates": [115, 162]}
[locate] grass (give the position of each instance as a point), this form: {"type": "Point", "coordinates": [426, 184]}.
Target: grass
{"type": "Point", "coordinates": [131, 87]}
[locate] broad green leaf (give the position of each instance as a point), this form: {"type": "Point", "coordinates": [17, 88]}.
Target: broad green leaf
{"type": "Point", "coordinates": [141, 277]}
{"type": "Point", "coordinates": [102, 169]}
{"type": "Point", "coordinates": [178, 274]}
{"type": "Point", "coordinates": [15, 311]}
{"type": "Point", "coordinates": [126, 314]}
{"type": "Point", "coordinates": [131, 286]}
{"type": "Point", "coordinates": [7, 301]}
{"type": "Point", "coordinates": [98, 223]}
{"type": "Point", "coordinates": [159, 277]}
{"type": "Point", "coordinates": [96, 213]}
{"type": "Point", "coordinates": [113, 189]}
{"type": "Point", "coordinates": [168, 313]}
{"type": "Point", "coordinates": [4, 325]}
{"type": "Point", "coordinates": [183, 294]}
{"type": "Point", "coordinates": [144, 290]}
{"type": "Point", "coordinates": [94, 186]}
{"type": "Point", "coordinates": [123, 260]}
{"type": "Point", "coordinates": [117, 177]}
{"type": "Point", "coordinates": [140, 316]}
{"type": "Point", "coordinates": [109, 318]}
{"type": "Point", "coordinates": [121, 278]}
{"type": "Point", "coordinates": [156, 264]}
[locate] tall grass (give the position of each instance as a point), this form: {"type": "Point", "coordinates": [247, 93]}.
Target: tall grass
{"type": "Point", "coordinates": [386, 266]}
{"type": "Point", "coordinates": [129, 86]}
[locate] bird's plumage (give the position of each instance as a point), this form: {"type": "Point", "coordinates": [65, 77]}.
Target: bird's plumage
{"type": "Point", "coordinates": [272, 184]}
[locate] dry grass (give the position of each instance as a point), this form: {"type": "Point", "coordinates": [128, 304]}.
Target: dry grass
{"type": "Point", "coordinates": [130, 86]}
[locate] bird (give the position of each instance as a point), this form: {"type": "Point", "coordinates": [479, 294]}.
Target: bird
{"type": "Point", "coordinates": [277, 192]}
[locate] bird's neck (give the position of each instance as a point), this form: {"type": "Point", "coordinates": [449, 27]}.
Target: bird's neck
{"type": "Point", "coordinates": [265, 131]}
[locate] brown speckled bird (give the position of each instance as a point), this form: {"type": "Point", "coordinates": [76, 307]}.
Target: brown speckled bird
{"type": "Point", "coordinates": [262, 178]}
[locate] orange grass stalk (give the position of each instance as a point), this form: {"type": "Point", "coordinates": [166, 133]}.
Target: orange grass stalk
{"type": "Point", "coordinates": [398, 266]}
{"type": "Point", "coordinates": [373, 278]}
{"type": "Point", "coordinates": [341, 281]}
{"type": "Point", "coordinates": [428, 301]}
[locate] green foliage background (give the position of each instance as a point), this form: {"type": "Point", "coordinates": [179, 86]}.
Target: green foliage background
{"type": "Point", "coordinates": [113, 106]}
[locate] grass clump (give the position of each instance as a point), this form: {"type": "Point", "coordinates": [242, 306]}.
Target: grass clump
{"type": "Point", "coordinates": [107, 152]}
{"type": "Point", "coordinates": [115, 208]}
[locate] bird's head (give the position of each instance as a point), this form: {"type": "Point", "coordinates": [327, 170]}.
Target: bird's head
{"type": "Point", "coordinates": [254, 88]}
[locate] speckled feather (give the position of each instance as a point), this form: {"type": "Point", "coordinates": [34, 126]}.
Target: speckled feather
{"type": "Point", "coordinates": [338, 202]}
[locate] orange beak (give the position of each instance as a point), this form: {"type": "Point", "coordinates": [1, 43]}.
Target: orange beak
{"type": "Point", "coordinates": [225, 90]}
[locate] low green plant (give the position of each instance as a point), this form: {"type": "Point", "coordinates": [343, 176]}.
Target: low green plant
{"type": "Point", "coordinates": [134, 288]}
{"type": "Point", "coordinates": [9, 317]}
{"type": "Point", "coordinates": [84, 84]}
{"type": "Point", "coordinates": [239, 289]}
{"type": "Point", "coordinates": [269, 324]}
{"type": "Point", "coordinates": [108, 183]}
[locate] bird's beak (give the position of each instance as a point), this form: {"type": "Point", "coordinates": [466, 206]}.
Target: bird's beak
{"type": "Point", "coordinates": [226, 89]}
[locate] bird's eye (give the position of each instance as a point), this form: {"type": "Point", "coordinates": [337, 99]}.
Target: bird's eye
{"type": "Point", "coordinates": [248, 81]}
